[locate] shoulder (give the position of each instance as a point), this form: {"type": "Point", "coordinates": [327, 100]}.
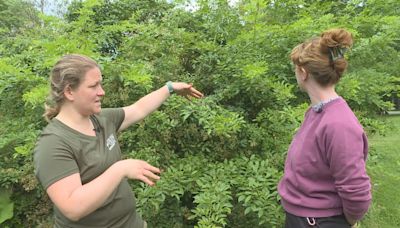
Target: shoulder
{"type": "Point", "coordinates": [340, 113]}
{"type": "Point", "coordinates": [51, 133]}
{"type": "Point", "coordinates": [338, 118]}
{"type": "Point", "coordinates": [55, 138]}
{"type": "Point", "coordinates": [50, 143]}
{"type": "Point", "coordinates": [110, 112]}
{"type": "Point", "coordinates": [110, 117]}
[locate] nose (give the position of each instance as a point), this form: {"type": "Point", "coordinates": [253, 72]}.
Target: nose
{"type": "Point", "coordinates": [101, 91]}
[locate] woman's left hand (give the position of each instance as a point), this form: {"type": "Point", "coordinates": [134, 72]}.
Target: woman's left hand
{"type": "Point", "coordinates": [186, 90]}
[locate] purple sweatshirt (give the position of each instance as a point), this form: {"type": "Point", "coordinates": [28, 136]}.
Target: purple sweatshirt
{"type": "Point", "coordinates": [325, 171]}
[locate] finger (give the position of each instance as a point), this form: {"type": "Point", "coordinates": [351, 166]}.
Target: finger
{"type": "Point", "coordinates": [151, 175]}
{"type": "Point", "coordinates": [152, 168]}
{"type": "Point", "coordinates": [146, 180]}
{"type": "Point", "coordinates": [195, 95]}
{"type": "Point", "coordinates": [196, 92]}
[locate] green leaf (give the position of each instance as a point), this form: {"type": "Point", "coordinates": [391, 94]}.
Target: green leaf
{"type": "Point", "coordinates": [248, 210]}
{"type": "Point", "coordinates": [6, 205]}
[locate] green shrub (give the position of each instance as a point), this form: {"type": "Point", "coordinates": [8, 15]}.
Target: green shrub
{"type": "Point", "coordinates": [223, 155]}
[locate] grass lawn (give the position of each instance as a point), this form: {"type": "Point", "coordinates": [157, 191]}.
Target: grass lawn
{"type": "Point", "coordinates": [384, 170]}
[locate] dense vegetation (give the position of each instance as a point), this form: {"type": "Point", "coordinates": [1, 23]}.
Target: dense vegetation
{"type": "Point", "coordinates": [222, 155]}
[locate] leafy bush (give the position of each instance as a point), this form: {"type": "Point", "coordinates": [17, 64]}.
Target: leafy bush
{"type": "Point", "coordinates": [223, 155]}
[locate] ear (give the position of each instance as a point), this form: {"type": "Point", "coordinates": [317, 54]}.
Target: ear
{"type": "Point", "coordinates": [68, 93]}
{"type": "Point", "coordinates": [303, 74]}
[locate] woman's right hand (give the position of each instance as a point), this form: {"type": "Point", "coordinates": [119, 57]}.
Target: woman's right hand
{"type": "Point", "coordinates": [350, 220]}
{"type": "Point", "coordinates": [139, 170]}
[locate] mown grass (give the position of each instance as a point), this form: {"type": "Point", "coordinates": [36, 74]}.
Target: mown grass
{"type": "Point", "coordinates": [384, 169]}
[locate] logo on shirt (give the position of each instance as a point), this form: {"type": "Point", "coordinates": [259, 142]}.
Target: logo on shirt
{"type": "Point", "coordinates": [111, 142]}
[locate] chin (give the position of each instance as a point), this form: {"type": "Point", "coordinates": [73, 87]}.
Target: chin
{"type": "Point", "coordinates": [97, 111]}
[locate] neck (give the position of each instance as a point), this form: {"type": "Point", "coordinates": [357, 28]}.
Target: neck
{"type": "Point", "coordinates": [319, 94]}
{"type": "Point", "coordinates": [75, 120]}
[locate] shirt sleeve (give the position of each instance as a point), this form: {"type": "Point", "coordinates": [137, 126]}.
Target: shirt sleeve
{"type": "Point", "coordinates": [53, 160]}
{"type": "Point", "coordinates": [114, 115]}
{"type": "Point", "coordinates": [347, 148]}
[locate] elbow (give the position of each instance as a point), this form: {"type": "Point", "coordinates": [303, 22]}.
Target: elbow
{"type": "Point", "coordinates": [74, 218]}
{"type": "Point", "coordinates": [72, 214]}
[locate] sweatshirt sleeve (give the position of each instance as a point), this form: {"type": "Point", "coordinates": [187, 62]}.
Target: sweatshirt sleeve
{"type": "Point", "coordinates": [347, 148]}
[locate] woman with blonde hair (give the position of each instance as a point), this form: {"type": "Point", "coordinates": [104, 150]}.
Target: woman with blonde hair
{"type": "Point", "coordinates": [325, 183]}
{"type": "Point", "coordinates": [77, 157]}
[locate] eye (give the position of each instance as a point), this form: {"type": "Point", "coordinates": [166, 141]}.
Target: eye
{"type": "Point", "coordinates": [95, 85]}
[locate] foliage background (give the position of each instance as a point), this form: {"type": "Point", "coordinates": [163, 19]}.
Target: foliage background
{"type": "Point", "coordinates": [222, 155]}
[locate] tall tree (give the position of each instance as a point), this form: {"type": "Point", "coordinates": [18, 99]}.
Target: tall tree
{"type": "Point", "coordinates": [16, 15]}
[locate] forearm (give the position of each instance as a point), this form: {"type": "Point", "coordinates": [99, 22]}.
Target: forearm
{"type": "Point", "coordinates": [149, 103]}
{"type": "Point", "coordinates": [348, 148]}
{"type": "Point", "coordinates": [143, 107]}
{"type": "Point", "coordinates": [152, 101]}
{"type": "Point", "coordinates": [355, 194]}
{"type": "Point", "coordinates": [92, 195]}
{"type": "Point", "coordinates": [355, 210]}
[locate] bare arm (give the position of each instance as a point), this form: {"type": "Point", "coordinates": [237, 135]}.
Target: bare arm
{"type": "Point", "coordinates": [149, 103]}
{"type": "Point", "coordinates": [76, 200]}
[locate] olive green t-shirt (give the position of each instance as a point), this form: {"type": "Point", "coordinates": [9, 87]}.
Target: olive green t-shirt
{"type": "Point", "coordinates": [62, 151]}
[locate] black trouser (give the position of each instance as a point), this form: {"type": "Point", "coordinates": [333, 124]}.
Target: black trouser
{"type": "Point", "coordinates": [338, 221]}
